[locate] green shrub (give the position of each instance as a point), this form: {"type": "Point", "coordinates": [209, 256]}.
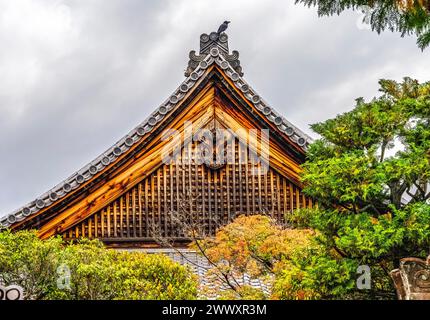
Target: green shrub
{"type": "Point", "coordinates": [49, 269]}
{"type": "Point", "coordinates": [27, 261]}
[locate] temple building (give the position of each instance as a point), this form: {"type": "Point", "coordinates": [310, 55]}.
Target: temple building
{"type": "Point", "coordinates": [212, 151]}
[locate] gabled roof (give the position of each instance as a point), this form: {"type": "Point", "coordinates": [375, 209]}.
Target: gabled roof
{"type": "Point", "coordinates": [214, 52]}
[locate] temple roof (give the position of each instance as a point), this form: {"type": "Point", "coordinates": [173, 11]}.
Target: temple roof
{"type": "Point", "coordinates": [213, 51]}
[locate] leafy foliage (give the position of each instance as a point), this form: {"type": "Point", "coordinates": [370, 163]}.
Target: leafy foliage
{"type": "Point", "coordinates": [356, 172]}
{"type": "Point", "coordinates": [95, 272]}
{"type": "Point", "coordinates": [29, 262]}
{"type": "Point", "coordinates": [315, 274]}
{"type": "Point", "coordinates": [404, 16]}
{"type": "Point", "coordinates": [373, 206]}
{"type": "Point", "coordinates": [258, 246]}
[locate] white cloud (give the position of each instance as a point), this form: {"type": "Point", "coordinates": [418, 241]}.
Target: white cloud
{"type": "Point", "coordinates": [33, 35]}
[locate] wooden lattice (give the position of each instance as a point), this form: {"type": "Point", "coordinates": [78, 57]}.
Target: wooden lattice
{"type": "Point", "coordinates": [215, 196]}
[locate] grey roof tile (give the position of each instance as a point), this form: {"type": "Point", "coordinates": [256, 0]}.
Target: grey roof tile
{"type": "Point", "coordinates": [139, 132]}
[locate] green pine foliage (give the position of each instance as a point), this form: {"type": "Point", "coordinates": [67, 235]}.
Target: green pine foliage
{"type": "Point", "coordinates": [373, 202]}
{"type": "Point", "coordinates": [404, 16]}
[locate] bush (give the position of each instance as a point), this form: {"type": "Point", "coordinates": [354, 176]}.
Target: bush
{"type": "Point", "coordinates": [262, 249]}
{"type": "Point", "coordinates": [48, 269]}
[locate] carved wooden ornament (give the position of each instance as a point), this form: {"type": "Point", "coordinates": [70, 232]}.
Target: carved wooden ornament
{"type": "Point", "coordinates": [412, 279]}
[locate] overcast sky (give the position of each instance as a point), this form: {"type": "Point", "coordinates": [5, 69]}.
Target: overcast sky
{"type": "Point", "coordinates": [75, 76]}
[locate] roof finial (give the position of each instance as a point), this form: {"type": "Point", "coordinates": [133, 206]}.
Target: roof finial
{"type": "Point", "coordinates": [219, 40]}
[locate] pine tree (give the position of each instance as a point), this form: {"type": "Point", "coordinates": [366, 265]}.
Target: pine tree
{"type": "Point", "coordinates": [404, 16]}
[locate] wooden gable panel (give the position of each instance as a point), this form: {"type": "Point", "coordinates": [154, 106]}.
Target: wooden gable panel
{"type": "Point", "coordinates": [188, 190]}
{"type": "Point", "coordinates": [118, 205]}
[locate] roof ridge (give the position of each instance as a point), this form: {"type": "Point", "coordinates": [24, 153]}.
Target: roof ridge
{"type": "Point", "coordinates": [136, 134]}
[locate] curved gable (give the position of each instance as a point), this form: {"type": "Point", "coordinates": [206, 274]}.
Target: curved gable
{"type": "Point", "coordinates": [214, 82]}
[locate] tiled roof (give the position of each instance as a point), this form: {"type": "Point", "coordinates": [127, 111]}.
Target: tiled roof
{"type": "Point", "coordinates": [200, 266]}
{"type": "Point", "coordinates": [214, 51]}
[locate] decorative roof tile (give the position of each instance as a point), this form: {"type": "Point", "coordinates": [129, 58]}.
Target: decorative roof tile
{"type": "Point", "coordinates": [213, 51]}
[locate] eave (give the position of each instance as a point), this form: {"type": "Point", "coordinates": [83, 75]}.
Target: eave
{"type": "Point", "coordinates": [100, 170]}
